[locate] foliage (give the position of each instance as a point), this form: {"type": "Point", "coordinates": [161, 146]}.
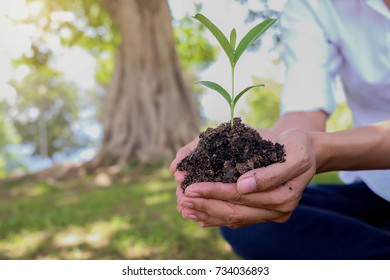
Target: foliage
{"type": "Point", "coordinates": [46, 113]}
{"type": "Point", "coordinates": [49, 122]}
{"type": "Point", "coordinates": [84, 23]}
{"type": "Point", "coordinates": [4, 136]}
{"type": "Point", "coordinates": [233, 55]}
{"type": "Point", "coordinates": [193, 49]}
{"type": "Point", "coordinates": [340, 119]}
{"type": "Point", "coordinates": [264, 104]}
{"type": "Point", "coordinates": [133, 218]}
{"type": "Point", "coordinates": [326, 178]}
{"type": "Point", "coordinates": [5, 133]}
{"type": "Point", "coordinates": [8, 135]}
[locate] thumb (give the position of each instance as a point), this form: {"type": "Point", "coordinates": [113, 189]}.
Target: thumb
{"type": "Point", "coordinates": [263, 179]}
{"type": "Point", "coordinates": [182, 153]}
{"type": "Point", "coordinates": [299, 160]}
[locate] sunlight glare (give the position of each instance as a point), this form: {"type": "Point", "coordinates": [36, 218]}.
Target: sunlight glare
{"type": "Point", "coordinates": [84, 74]}
{"type": "Point", "coordinates": [15, 9]}
{"type": "Point", "coordinates": [35, 8]}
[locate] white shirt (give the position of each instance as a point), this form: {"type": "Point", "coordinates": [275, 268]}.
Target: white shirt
{"type": "Point", "coordinates": [350, 39]}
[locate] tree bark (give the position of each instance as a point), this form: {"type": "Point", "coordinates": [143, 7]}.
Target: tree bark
{"type": "Point", "coordinates": [148, 112]}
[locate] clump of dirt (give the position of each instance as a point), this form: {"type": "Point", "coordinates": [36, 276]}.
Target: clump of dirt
{"type": "Point", "coordinates": [225, 153]}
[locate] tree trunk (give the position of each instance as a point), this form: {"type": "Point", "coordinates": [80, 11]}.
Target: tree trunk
{"type": "Point", "coordinates": [149, 112]}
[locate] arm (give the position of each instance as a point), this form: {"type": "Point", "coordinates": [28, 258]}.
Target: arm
{"type": "Point", "coordinates": [308, 153]}
{"type": "Point", "coordinates": [360, 148]}
{"type": "Point", "coordinates": [272, 193]}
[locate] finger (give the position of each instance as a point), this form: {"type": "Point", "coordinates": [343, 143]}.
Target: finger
{"type": "Point", "coordinates": [274, 199]}
{"type": "Point", "coordinates": [179, 192]}
{"type": "Point", "coordinates": [204, 225]}
{"type": "Point", "coordinates": [214, 190]}
{"type": "Point", "coordinates": [201, 218]}
{"type": "Point", "coordinates": [180, 176]}
{"type": "Point", "coordinates": [182, 153]}
{"type": "Point", "coordinates": [282, 199]}
{"type": "Point", "coordinates": [239, 220]}
{"type": "Point", "coordinates": [180, 197]}
{"type": "Point", "coordinates": [232, 215]}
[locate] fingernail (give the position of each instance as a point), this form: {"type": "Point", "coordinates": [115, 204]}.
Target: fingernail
{"type": "Point", "coordinates": [192, 217]}
{"type": "Point", "coordinates": [192, 194]}
{"type": "Point", "coordinates": [247, 185]}
{"type": "Point", "coordinates": [187, 204]}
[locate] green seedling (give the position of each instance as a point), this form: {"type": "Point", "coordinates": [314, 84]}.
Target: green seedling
{"type": "Point", "coordinates": [233, 55]}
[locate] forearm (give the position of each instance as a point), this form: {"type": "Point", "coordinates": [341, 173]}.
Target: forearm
{"type": "Point", "coordinates": [306, 121]}
{"type": "Point", "coordinates": [362, 148]}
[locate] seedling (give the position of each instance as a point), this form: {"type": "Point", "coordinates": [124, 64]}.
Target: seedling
{"type": "Point", "coordinates": [233, 55]}
{"type": "Point", "coordinates": [231, 149]}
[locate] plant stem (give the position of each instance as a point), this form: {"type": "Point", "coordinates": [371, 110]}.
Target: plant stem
{"type": "Point", "coordinates": [232, 101]}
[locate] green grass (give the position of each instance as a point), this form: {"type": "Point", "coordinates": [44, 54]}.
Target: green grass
{"type": "Point", "coordinates": [134, 218]}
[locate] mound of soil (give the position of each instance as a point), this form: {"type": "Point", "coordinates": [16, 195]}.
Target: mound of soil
{"type": "Point", "coordinates": [224, 153]}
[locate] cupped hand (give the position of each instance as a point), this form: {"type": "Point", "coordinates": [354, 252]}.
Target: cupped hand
{"type": "Point", "coordinates": [181, 154]}
{"type": "Point", "coordinates": [265, 194]}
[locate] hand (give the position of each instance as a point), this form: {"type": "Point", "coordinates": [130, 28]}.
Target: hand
{"type": "Point", "coordinates": [181, 154]}
{"type": "Point", "coordinates": [190, 147]}
{"type": "Point", "coordinates": [265, 194]}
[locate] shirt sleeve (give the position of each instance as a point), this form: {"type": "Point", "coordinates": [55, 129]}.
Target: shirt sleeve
{"type": "Point", "coordinates": [311, 59]}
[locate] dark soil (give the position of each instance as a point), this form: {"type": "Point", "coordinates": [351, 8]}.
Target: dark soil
{"type": "Point", "coordinates": [224, 153]}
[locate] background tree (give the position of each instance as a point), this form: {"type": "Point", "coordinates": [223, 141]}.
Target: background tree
{"type": "Point", "coordinates": [7, 136]}
{"type": "Point", "coordinates": [46, 114]}
{"type": "Point", "coordinates": [147, 111]}
{"type": "Point", "coordinates": [194, 50]}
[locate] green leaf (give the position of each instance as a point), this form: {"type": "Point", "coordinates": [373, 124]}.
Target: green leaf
{"type": "Point", "coordinates": [217, 88]}
{"type": "Point", "coordinates": [243, 91]}
{"type": "Point", "coordinates": [223, 41]}
{"type": "Point", "coordinates": [233, 38]}
{"type": "Point", "coordinates": [252, 36]}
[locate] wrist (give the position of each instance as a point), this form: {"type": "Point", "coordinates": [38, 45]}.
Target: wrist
{"type": "Point", "coordinates": [322, 152]}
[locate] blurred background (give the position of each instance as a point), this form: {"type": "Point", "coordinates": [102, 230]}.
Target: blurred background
{"type": "Point", "coordinates": [96, 96]}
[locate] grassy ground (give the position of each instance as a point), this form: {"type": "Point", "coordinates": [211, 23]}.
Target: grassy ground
{"type": "Point", "coordinates": [132, 217]}
{"type": "Point", "coordinates": [135, 218]}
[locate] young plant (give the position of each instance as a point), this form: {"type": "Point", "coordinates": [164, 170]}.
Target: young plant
{"type": "Point", "coordinates": [233, 55]}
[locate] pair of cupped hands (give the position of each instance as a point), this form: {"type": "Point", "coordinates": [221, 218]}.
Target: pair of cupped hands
{"type": "Point", "coordinates": [268, 194]}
